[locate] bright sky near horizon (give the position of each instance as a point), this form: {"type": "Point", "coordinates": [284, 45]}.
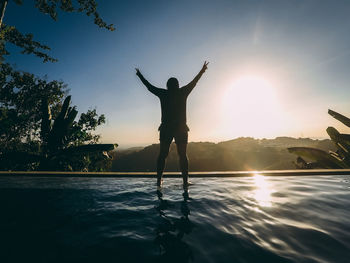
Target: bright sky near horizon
{"type": "Point", "coordinates": [275, 66]}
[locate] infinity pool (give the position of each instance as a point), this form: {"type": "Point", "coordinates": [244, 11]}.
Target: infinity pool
{"type": "Point", "coordinates": [244, 219]}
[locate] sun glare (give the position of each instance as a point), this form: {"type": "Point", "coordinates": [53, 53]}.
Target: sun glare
{"type": "Point", "coordinates": [262, 192]}
{"type": "Point", "coordinates": [250, 107]}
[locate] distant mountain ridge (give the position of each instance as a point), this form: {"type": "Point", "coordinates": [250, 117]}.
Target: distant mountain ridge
{"type": "Point", "coordinates": [244, 153]}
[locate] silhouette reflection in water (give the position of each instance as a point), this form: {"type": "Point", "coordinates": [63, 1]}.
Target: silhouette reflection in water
{"type": "Point", "coordinates": [171, 231]}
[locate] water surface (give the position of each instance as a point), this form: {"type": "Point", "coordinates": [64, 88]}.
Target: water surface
{"type": "Point", "coordinates": [245, 219]}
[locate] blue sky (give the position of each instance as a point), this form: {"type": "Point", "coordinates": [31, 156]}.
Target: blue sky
{"type": "Point", "coordinates": [297, 53]}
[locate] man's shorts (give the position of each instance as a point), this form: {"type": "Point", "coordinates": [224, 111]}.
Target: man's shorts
{"type": "Point", "coordinates": [178, 132]}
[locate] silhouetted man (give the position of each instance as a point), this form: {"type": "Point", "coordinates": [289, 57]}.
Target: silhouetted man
{"type": "Point", "coordinates": [173, 105]}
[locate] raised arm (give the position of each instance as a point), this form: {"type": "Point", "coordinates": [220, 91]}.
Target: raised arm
{"type": "Point", "coordinates": [189, 87]}
{"type": "Point", "coordinates": [156, 91]}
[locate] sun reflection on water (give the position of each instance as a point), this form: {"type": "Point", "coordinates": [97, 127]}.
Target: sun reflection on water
{"type": "Point", "coordinates": [263, 191]}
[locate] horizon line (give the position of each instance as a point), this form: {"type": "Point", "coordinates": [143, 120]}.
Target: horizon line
{"type": "Point", "coordinates": [128, 145]}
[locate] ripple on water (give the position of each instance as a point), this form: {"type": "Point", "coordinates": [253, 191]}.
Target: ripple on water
{"type": "Point", "coordinates": [247, 219]}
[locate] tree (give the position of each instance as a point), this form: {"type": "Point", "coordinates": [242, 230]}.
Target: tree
{"type": "Point", "coordinates": [21, 94]}
{"type": "Point", "coordinates": [9, 34]}
{"type": "Point", "coordinates": [38, 129]}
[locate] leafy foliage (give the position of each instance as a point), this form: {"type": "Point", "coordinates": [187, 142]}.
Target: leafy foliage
{"type": "Point", "coordinates": [21, 94]}
{"type": "Point", "coordinates": [321, 159]}
{"type": "Point", "coordinates": [38, 131]}
{"type": "Point", "coordinates": [9, 34]}
{"type": "Point", "coordinates": [58, 151]}
{"type": "Point", "coordinates": [89, 7]}
{"type": "Point", "coordinates": [81, 130]}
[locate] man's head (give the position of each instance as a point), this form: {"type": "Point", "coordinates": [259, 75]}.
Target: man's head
{"type": "Point", "coordinates": [172, 84]}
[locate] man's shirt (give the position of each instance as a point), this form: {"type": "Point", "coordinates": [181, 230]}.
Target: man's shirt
{"type": "Point", "coordinates": [173, 102]}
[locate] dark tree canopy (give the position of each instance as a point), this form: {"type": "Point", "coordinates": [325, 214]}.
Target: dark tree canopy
{"type": "Point", "coordinates": [89, 7]}
{"type": "Point", "coordinates": [20, 102]}
{"type": "Point", "coordinates": [9, 34]}
{"type": "Point", "coordinates": [38, 129]}
{"type": "Point", "coordinates": [21, 124]}
{"type": "Point", "coordinates": [21, 96]}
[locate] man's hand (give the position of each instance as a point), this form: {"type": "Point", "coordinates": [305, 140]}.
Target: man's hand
{"type": "Point", "coordinates": [205, 66]}
{"type": "Point", "coordinates": [138, 73]}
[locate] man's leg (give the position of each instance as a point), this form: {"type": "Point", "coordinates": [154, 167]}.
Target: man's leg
{"type": "Point", "coordinates": [181, 150]}
{"type": "Point", "coordinates": [163, 153]}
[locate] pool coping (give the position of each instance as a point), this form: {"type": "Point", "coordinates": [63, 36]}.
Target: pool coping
{"type": "Point", "coordinates": [178, 174]}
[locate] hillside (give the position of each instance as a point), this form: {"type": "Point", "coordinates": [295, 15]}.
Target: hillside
{"type": "Point", "coordinates": [238, 154]}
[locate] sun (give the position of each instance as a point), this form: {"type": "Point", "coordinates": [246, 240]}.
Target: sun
{"type": "Point", "coordinates": [250, 107]}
